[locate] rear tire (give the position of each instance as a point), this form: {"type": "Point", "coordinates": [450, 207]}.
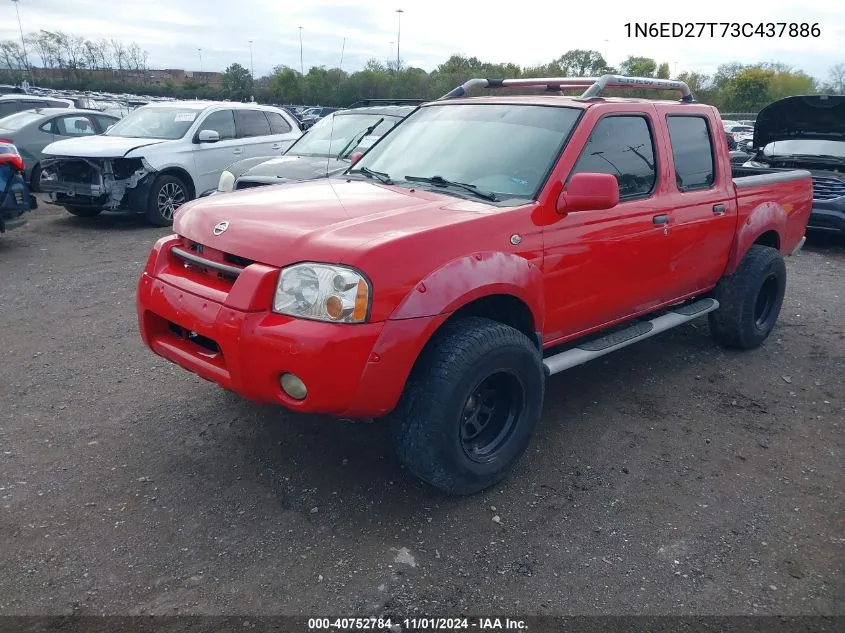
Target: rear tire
{"type": "Point", "coordinates": [167, 194]}
{"type": "Point", "coordinates": [750, 299]}
{"type": "Point", "coordinates": [83, 212]}
{"type": "Point", "coordinates": [470, 406]}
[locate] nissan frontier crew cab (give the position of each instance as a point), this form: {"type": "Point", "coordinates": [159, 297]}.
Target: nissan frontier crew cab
{"type": "Point", "coordinates": [481, 246]}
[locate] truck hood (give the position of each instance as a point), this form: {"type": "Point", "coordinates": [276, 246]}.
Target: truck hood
{"type": "Point", "coordinates": [98, 146]}
{"type": "Point", "coordinates": [819, 117]}
{"type": "Point", "coordinates": [292, 167]}
{"type": "Point", "coordinates": [323, 220]}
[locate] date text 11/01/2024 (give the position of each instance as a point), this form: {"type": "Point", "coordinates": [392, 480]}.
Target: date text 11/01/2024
{"type": "Point", "coordinates": [417, 624]}
{"type": "Point", "coordinates": [722, 29]}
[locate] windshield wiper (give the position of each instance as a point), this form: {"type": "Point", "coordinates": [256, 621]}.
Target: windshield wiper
{"type": "Point", "coordinates": [440, 181]}
{"type": "Point", "coordinates": [369, 173]}
{"type": "Point", "coordinates": [358, 137]}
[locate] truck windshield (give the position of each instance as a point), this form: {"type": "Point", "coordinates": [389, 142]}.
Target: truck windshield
{"type": "Point", "coordinates": [164, 123]}
{"type": "Point", "coordinates": [332, 134]}
{"type": "Point", "coordinates": [506, 150]}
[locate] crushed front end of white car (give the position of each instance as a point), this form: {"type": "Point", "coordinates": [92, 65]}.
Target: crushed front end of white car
{"type": "Point", "coordinates": [98, 183]}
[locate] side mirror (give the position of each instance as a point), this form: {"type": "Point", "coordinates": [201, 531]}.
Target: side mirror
{"type": "Point", "coordinates": [356, 156]}
{"type": "Point", "coordinates": [589, 192]}
{"type": "Point", "coordinates": [208, 136]}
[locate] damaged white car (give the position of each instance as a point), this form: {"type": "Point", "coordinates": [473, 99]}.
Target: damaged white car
{"type": "Point", "coordinates": [160, 156]}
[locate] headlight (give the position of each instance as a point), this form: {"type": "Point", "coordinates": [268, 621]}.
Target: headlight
{"type": "Point", "coordinates": [753, 163]}
{"type": "Point", "coordinates": [323, 292]}
{"type": "Point", "coordinates": [226, 182]}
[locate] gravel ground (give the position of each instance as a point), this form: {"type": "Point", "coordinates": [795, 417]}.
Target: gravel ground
{"type": "Point", "coordinates": [673, 477]}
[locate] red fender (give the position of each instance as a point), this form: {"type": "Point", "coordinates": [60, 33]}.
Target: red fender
{"type": "Point", "coordinates": [467, 278]}
{"type": "Point", "coordinates": [769, 216]}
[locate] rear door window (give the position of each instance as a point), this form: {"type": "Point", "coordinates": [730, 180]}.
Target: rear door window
{"type": "Point", "coordinates": [252, 123]}
{"type": "Point", "coordinates": [692, 151]}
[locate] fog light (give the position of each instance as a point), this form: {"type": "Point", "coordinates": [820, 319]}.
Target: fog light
{"type": "Point", "coordinates": [293, 386]}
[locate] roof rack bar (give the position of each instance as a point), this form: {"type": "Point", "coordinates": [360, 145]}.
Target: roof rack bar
{"type": "Point", "coordinates": [594, 85]}
{"type": "Point", "coordinates": [363, 103]}
{"type": "Point", "coordinates": [618, 81]}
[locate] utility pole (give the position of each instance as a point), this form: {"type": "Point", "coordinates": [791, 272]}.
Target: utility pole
{"type": "Point", "coordinates": [342, 49]}
{"type": "Point", "coordinates": [399, 13]}
{"type": "Point", "coordinates": [199, 50]}
{"type": "Point", "coordinates": [23, 42]}
{"type": "Point", "coordinates": [251, 71]}
{"type": "Point", "coordinates": [301, 64]}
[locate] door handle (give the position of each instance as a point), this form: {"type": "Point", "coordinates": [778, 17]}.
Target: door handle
{"type": "Point", "coordinates": [276, 146]}
{"type": "Point", "coordinates": [718, 209]}
{"type": "Point", "coordinates": [661, 219]}
{"type": "Point", "coordinates": [238, 151]}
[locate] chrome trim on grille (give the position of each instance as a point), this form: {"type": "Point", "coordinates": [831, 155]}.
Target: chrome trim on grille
{"type": "Point", "coordinates": [207, 263]}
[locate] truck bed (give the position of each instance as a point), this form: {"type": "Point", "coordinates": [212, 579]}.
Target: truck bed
{"type": "Point", "coordinates": [784, 196]}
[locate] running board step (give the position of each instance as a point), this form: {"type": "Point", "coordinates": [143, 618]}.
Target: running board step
{"type": "Point", "coordinates": [640, 330]}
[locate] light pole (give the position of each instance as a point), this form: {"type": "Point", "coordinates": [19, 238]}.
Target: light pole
{"type": "Point", "coordinates": [399, 13]}
{"type": "Point", "coordinates": [251, 64]}
{"type": "Point", "coordinates": [251, 72]}
{"type": "Point", "coordinates": [199, 50]}
{"type": "Point", "coordinates": [23, 42]}
{"type": "Point", "coordinates": [301, 64]}
{"type": "Point", "coordinates": [606, 63]}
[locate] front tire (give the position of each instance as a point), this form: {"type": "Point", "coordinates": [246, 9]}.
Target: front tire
{"type": "Point", "coordinates": [35, 179]}
{"type": "Point", "coordinates": [167, 194]}
{"type": "Point", "coordinates": [750, 299]}
{"type": "Point", "coordinates": [470, 406]}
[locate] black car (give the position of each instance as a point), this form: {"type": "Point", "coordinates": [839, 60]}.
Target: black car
{"type": "Point", "coordinates": [324, 150]}
{"type": "Point", "coordinates": [807, 132]}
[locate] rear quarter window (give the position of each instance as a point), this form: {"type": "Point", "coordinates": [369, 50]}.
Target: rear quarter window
{"type": "Point", "coordinates": [278, 123]}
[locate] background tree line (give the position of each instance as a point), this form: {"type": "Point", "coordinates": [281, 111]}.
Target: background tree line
{"type": "Point", "coordinates": [74, 62]}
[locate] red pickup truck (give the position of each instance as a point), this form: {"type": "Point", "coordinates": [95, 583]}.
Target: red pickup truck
{"type": "Point", "coordinates": [481, 246]}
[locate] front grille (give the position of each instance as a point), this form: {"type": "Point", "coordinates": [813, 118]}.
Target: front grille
{"type": "Point", "coordinates": [211, 262]}
{"type": "Point", "coordinates": [828, 188]}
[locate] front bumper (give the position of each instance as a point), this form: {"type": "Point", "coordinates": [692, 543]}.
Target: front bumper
{"type": "Point", "coordinates": [350, 371]}
{"type": "Point", "coordinates": [829, 220]}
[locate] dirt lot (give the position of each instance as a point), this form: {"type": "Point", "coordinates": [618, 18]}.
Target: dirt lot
{"type": "Point", "coordinates": [672, 477]}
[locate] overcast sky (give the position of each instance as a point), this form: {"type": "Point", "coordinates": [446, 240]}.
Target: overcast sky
{"type": "Point", "coordinates": [526, 32]}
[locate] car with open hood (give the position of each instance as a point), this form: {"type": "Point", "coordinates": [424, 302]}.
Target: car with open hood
{"type": "Point", "coordinates": [807, 132]}
{"type": "Point", "coordinates": [326, 149]}
{"type": "Point", "coordinates": [160, 156]}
